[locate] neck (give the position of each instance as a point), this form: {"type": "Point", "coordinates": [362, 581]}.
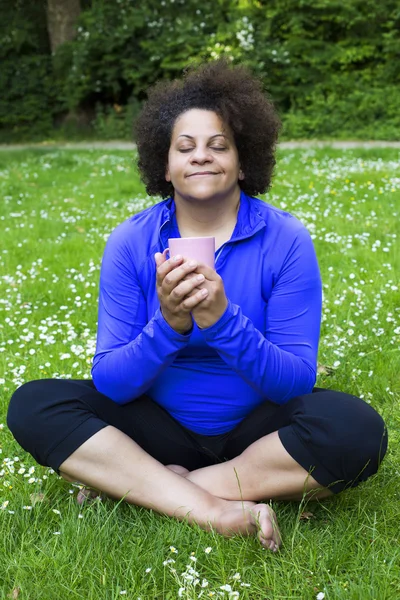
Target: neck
{"type": "Point", "coordinates": [200, 218]}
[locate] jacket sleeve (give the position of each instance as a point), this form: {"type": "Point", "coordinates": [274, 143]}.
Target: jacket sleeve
{"type": "Point", "coordinates": [131, 351]}
{"type": "Point", "coordinates": [280, 362]}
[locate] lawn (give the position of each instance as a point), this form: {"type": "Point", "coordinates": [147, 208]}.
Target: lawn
{"type": "Point", "coordinates": [57, 210]}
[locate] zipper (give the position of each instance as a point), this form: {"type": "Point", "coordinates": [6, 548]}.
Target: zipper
{"type": "Point", "coordinates": [237, 239]}
{"type": "Point", "coordinates": [220, 250]}
{"type": "Point", "coordinates": [159, 233]}
{"type": "Point", "coordinates": [244, 237]}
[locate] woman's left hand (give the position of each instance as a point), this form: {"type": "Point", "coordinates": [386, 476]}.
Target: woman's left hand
{"type": "Point", "coordinates": [211, 309]}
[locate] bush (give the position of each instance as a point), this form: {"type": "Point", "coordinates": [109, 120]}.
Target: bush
{"type": "Point", "coordinates": [120, 51]}
{"type": "Point", "coordinates": [28, 96]}
{"type": "Point", "coordinates": [331, 68]}
{"type": "Point", "coordinates": [116, 122]}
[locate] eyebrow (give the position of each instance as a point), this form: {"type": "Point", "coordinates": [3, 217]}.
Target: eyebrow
{"type": "Point", "coordinates": [190, 137]}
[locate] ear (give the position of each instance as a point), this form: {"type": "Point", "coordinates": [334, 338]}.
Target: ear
{"type": "Point", "coordinates": [241, 175]}
{"type": "Point", "coordinates": [167, 175]}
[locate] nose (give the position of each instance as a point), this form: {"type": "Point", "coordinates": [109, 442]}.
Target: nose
{"type": "Point", "coordinates": [201, 155]}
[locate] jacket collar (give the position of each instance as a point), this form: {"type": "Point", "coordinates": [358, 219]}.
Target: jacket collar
{"type": "Point", "coordinates": [249, 220]}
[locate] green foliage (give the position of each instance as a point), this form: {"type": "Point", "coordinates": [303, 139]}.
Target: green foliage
{"type": "Point", "coordinates": [25, 101]}
{"type": "Point", "coordinates": [346, 112]}
{"type": "Point", "coordinates": [28, 96]}
{"type": "Point", "coordinates": [116, 122]}
{"type": "Point", "coordinates": [120, 52]}
{"type": "Point", "coordinates": [331, 68]}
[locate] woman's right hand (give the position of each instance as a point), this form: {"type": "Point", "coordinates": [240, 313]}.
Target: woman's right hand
{"type": "Point", "coordinates": [173, 286]}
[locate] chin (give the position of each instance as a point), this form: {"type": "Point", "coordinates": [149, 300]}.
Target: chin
{"type": "Point", "coordinates": [199, 193]}
{"type": "Point", "coordinates": [204, 197]}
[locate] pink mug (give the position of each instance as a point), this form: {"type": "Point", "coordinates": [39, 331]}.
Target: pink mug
{"type": "Point", "coordinates": [201, 249]}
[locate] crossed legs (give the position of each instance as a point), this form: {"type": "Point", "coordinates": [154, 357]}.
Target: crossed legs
{"type": "Point", "coordinates": [224, 496]}
{"type": "Point", "coordinates": [264, 471]}
{"type": "Point", "coordinates": [112, 462]}
{"type": "Point", "coordinates": [345, 434]}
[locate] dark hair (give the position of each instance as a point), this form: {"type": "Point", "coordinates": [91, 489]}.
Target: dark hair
{"type": "Point", "coordinates": [236, 96]}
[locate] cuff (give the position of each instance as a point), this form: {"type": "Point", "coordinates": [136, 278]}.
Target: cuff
{"type": "Point", "coordinates": [210, 332]}
{"type": "Point", "coordinates": [171, 333]}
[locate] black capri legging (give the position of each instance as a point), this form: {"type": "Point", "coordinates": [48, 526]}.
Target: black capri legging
{"type": "Point", "coordinates": [337, 437]}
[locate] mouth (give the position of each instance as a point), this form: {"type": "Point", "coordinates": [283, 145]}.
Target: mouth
{"type": "Point", "coordinates": [202, 174]}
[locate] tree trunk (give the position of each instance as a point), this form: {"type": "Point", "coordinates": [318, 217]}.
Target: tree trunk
{"type": "Point", "coordinates": [61, 19]}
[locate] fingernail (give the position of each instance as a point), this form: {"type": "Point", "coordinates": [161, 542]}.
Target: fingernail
{"type": "Point", "coordinates": [177, 257]}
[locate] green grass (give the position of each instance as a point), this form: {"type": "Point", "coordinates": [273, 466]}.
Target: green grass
{"type": "Point", "coordinates": [57, 208]}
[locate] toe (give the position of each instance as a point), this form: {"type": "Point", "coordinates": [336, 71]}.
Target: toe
{"type": "Point", "coordinates": [82, 496]}
{"type": "Point", "coordinates": [276, 535]}
{"type": "Point", "coordinates": [268, 534]}
{"type": "Point", "coordinates": [86, 494]}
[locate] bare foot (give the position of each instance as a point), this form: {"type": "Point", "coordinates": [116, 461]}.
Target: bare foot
{"type": "Point", "coordinates": [88, 495]}
{"type": "Point", "coordinates": [245, 518]}
{"type": "Point", "coordinates": [178, 469]}
{"type": "Point", "coordinates": [268, 531]}
{"type": "Point", "coordinates": [249, 518]}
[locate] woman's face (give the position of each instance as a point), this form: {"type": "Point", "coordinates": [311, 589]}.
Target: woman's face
{"type": "Point", "coordinates": [203, 161]}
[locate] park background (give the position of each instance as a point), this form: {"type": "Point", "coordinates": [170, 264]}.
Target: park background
{"type": "Point", "coordinates": [73, 69]}
{"type": "Point", "coordinates": [79, 71]}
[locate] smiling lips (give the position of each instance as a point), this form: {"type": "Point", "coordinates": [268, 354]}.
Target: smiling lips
{"type": "Point", "coordinates": [203, 173]}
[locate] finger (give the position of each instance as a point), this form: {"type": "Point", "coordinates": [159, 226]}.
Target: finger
{"type": "Point", "coordinates": [164, 265]}
{"type": "Point", "coordinates": [207, 271]}
{"type": "Point", "coordinates": [189, 276]}
{"type": "Point", "coordinates": [194, 292]}
{"type": "Point", "coordinates": [161, 258]}
{"type": "Point", "coordinates": [194, 298]}
{"type": "Point", "coordinates": [165, 269]}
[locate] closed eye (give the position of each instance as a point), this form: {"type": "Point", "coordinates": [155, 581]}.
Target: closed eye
{"type": "Point", "coordinates": [218, 149]}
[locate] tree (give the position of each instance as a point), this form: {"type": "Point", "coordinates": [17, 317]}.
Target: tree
{"type": "Point", "coordinates": [62, 16]}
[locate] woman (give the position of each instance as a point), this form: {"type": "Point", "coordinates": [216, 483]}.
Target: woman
{"type": "Point", "coordinates": [202, 402]}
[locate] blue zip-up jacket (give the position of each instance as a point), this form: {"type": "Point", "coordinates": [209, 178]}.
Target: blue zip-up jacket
{"type": "Point", "coordinates": [264, 347]}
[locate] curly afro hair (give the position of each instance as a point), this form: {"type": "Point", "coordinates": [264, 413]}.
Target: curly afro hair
{"type": "Point", "coordinates": [236, 96]}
